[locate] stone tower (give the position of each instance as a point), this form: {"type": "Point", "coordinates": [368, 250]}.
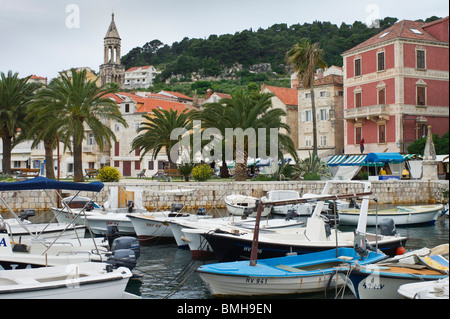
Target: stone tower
{"type": "Point", "coordinates": [111, 70]}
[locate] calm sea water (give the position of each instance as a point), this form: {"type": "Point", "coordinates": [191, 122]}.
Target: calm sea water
{"type": "Point", "coordinates": [167, 272]}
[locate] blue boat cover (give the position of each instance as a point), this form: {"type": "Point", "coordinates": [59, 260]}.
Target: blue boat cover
{"type": "Point", "coordinates": [384, 157]}
{"type": "Point", "coordinates": [46, 183]}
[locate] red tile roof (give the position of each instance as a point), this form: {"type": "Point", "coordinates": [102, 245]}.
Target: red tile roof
{"type": "Point", "coordinates": [139, 67]}
{"type": "Point", "coordinates": [405, 29]}
{"type": "Point", "coordinates": [286, 95]}
{"type": "Point", "coordinates": [151, 104]}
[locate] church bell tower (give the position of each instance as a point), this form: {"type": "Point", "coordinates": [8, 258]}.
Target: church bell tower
{"type": "Point", "coordinates": [111, 70]}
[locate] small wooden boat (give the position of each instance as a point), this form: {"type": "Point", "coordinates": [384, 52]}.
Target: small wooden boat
{"type": "Point", "coordinates": [283, 275]}
{"type": "Point", "coordinates": [383, 280]}
{"type": "Point", "coordinates": [240, 205]}
{"type": "Point", "coordinates": [401, 215]}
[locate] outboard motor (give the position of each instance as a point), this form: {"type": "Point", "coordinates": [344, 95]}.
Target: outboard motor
{"type": "Point", "coordinates": [123, 258]}
{"type": "Point", "coordinates": [112, 232]}
{"type": "Point", "coordinates": [127, 242]}
{"type": "Point", "coordinates": [353, 204]}
{"type": "Point", "coordinates": [387, 227]}
{"type": "Point", "coordinates": [89, 207]}
{"type": "Point", "coordinates": [291, 213]}
{"type": "Point", "coordinates": [130, 205]}
{"type": "Point", "coordinates": [26, 213]}
{"type": "Point", "coordinates": [247, 212]}
{"type": "Point", "coordinates": [201, 211]}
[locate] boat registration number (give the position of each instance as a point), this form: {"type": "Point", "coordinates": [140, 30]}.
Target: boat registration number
{"type": "Point", "coordinates": [256, 281]}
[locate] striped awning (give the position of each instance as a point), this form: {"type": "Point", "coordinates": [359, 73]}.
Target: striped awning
{"type": "Point", "coordinates": [354, 160]}
{"type": "Point", "coordinates": [336, 160]}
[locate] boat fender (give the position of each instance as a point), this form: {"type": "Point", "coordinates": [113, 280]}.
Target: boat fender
{"type": "Point", "coordinates": [387, 227]}
{"type": "Point", "coordinates": [127, 242]}
{"type": "Point", "coordinates": [123, 258]}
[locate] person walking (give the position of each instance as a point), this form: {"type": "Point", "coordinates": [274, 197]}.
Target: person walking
{"type": "Point", "coordinates": [361, 146]}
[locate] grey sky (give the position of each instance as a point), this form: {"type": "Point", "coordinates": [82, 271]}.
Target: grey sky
{"type": "Point", "coordinates": [43, 37]}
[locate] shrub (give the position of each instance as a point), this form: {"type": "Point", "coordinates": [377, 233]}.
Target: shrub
{"type": "Point", "coordinates": [108, 174]}
{"type": "Point", "coordinates": [202, 172]}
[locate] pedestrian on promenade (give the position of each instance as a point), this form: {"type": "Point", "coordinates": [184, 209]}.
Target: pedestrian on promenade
{"type": "Point", "coordinates": [361, 146]}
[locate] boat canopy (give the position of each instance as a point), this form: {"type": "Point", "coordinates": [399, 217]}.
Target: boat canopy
{"type": "Point", "coordinates": [46, 183]}
{"type": "Point", "coordinates": [384, 158]}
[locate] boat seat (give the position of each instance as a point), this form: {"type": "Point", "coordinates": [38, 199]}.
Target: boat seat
{"type": "Point", "coordinates": [289, 268]}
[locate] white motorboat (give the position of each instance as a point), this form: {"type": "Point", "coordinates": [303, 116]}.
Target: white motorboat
{"type": "Point", "coordinates": [240, 205]}
{"type": "Point", "coordinates": [401, 215]}
{"type": "Point", "coordinates": [121, 201]}
{"type": "Point", "coordinates": [189, 232]}
{"type": "Point", "coordinates": [154, 225]}
{"type": "Point", "coordinates": [73, 281]}
{"type": "Point", "coordinates": [18, 252]}
{"type": "Point", "coordinates": [437, 289]}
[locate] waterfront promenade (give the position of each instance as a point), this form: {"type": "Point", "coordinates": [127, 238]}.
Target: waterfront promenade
{"type": "Point", "coordinates": [161, 195]}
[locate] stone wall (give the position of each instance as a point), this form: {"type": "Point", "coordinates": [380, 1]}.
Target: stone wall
{"type": "Point", "coordinates": [212, 194]}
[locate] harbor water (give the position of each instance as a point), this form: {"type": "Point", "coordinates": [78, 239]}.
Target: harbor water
{"type": "Point", "coordinates": [168, 272]}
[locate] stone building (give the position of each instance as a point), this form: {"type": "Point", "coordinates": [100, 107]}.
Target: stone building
{"type": "Point", "coordinates": [112, 71]}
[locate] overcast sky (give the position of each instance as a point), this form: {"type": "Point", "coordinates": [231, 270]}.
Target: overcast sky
{"type": "Point", "coordinates": [43, 37]}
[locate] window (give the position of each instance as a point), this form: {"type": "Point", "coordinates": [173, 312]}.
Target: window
{"type": "Point", "coordinates": [420, 59]}
{"type": "Point", "coordinates": [323, 94]}
{"type": "Point", "coordinates": [357, 67]}
{"type": "Point", "coordinates": [358, 134]}
{"type": "Point", "coordinates": [421, 92]}
{"type": "Point", "coordinates": [380, 61]}
{"type": "Point", "coordinates": [116, 127]}
{"type": "Point", "coordinates": [415, 31]}
{"type": "Point", "coordinates": [383, 35]}
{"type": "Point", "coordinates": [308, 95]}
{"type": "Point", "coordinates": [151, 165]}
{"type": "Point", "coordinates": [358, 99]}
{"type": "Point", "coordinates": [116, 149]}
{"type": "Point", "coordinates": [323, 115]}
{"type": "Point", "coordinates": [308, 141]}
{"type": "Point", "coordinates": [308, 116]}
{"type": "Point", "coordinates": [323, 140]}
{"type": "Point", "coordinates": [382, 133]}
{"type": "Point", "coordinates": [127, 108]}
{"type": "Point", "coordinates": [90, 139]}
{"type": "Point", "coordinates": [382, 96]}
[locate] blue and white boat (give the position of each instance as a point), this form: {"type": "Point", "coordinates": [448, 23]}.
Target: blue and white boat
{"type": "Point", "coordinates": [283, 275]}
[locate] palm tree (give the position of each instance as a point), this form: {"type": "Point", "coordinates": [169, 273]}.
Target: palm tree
{"type": "Point", "coordinates": [15, 96]}
{"type": "Point", "coordinates": [157, 129]}
{"type": "Point", "coordinates": [76, 104]}
{"type": "Point", "coordinates": [306, 58]}
{"type": "Point", "coordinates": [248, 111]}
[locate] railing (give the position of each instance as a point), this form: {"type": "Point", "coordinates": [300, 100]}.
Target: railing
{"type": "Point", "coordinates": [367, 111]}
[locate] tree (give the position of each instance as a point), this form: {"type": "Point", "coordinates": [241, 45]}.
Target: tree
{"type": "Point", "coordinates": [78, 103]}
{"type": "Point", "coordinates": [245, 110]}
{"type": "Point", "coordinates": [305, 58]}
{"type": "Point", "coordinates": [15, 96]}
{"type": "Point", "coordinates": [157, 129]}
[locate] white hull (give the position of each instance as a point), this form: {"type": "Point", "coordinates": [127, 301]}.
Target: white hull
{"type": "Point", "coordinates": [401, 216]}
{"type": "Point", "coordinates": [83, 281]}
{"type": "Point", "coordinates": [153, 225]}
{"type": "Point", "coordinates": [236, 205]}
{"type": "Point", "coordinates": [98, 220]}
{"type": "Point", "coordinates": [43, 231]}
{"type": "Point", "coordinates": [221, 285]}
{"type": "Point", "coordinates": [438, 289]}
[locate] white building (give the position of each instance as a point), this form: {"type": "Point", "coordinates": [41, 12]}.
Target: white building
{"type": "Point", "coordinates": [140, 77]}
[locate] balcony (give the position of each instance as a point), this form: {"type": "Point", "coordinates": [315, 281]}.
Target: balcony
{"type": "Point", "coordinates": [372, 112]}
